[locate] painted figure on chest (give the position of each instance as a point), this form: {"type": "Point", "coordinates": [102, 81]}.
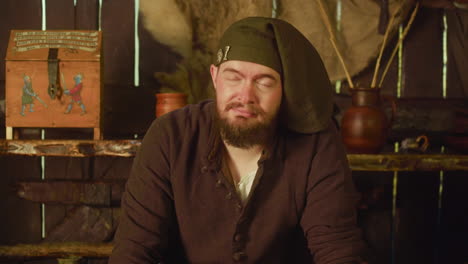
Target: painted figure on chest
{"type": "Point", "coordinates": [28, 96]}
{"type": "Point", "coordinates": [75, 94]}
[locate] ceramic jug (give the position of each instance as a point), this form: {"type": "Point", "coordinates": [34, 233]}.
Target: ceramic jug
{"type": "Point", "coordinates": [365, 126]}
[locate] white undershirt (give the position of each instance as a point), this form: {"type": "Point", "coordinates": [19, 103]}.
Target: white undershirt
{"type": "Point", "coordinates": [244, 186]}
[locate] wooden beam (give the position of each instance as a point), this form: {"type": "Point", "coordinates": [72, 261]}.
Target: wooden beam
{"type": "Point", "coordinates": [57, 250]}
{"type": "Point", "coordinates": [95, 225]}
{"type": "Point", "coordinates": [70, 148]}
{"type": "Point", "coordinates": [408, 162]}
{"type": "Point", "coordinates": [128, 148]}
{"type": "Point", "coordinates": [72, 192]}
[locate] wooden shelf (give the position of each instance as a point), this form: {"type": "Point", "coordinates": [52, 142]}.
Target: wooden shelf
{"type": "Point", "coordinates": [57, 250]}
{"type": "Point", "coordinates": [128, 148]}
{"type": "Point", "coordinates": [70, 148]}
{"type": "Point", "coordinates": [408, 162]}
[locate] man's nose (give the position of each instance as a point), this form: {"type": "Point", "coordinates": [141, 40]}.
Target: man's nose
{"type": "Point", "coordinates": [247, 93]}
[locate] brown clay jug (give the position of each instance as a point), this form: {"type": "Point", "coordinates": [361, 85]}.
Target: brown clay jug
{"type": "Point", "coordinates": [167, 102]}
{"type": "Point", "coordinates": [364, 126]}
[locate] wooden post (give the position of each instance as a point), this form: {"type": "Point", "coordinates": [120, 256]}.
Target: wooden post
{"type": "Point", "coordinates": [97, 134]}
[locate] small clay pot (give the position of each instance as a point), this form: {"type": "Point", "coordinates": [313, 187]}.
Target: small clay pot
{"type": "Point", "coordinates": [167, 102]}
{"type": "Point", "coordinates": [364, 126]}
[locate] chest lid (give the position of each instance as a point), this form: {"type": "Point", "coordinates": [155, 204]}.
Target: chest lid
{"type": "Point", "coordinates": [69, 45]}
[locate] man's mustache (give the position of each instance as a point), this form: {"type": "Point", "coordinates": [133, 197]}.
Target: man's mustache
{"type": "Point", "coordinates": [249, 107]}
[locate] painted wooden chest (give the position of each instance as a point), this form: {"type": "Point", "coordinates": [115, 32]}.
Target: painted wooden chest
{"type": "Point", "coordinates": [54, 79]}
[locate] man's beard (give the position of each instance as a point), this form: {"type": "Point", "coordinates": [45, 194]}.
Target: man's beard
{"type": "Point", "coordinates": [246, 135]}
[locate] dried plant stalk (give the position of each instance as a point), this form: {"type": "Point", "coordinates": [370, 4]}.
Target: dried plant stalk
{"type": "Point", "coordinates": [400, 41]}
{"type": "Point", "coordinates": [326, 21]}
{"type": "Point", "coordinates": [384, 43]}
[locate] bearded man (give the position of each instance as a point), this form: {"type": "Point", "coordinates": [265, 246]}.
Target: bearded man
{"type": "Point", "coordinates": [258, 176]}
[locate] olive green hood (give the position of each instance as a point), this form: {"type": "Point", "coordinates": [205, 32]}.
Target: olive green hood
{"type": "Point", "coordinates": [307, 93]}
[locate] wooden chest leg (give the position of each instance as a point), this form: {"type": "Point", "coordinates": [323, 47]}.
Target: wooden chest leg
{"type": "Point", "coordinates": [12, 133]}
{"type": "Point", "coordinates": [9, 133]}
{"type": "Point", "coordinates": [97, 133]}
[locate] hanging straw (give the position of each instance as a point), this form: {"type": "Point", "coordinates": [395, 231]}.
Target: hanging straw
{"type": "Point", "coordinates": [400, 41]}
{"type": "Point", "coordinates": [326, 21]}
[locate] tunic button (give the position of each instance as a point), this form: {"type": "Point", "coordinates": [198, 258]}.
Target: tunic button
{"type": "Point", "coordinates": [219, 183]}
{"type": "Point", "coordinates": [204, 169]}
{"type": "Point", "coordinates": [229, 196]}
{"type": "Point", "coordinates": [238, 256]}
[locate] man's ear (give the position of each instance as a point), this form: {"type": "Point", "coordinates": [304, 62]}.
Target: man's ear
{"type": "Point", "coordinates": [214, 73]}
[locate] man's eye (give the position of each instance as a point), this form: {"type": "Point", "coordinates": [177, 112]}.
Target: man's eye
{"type": "Point", "coordinates": [231, 77]}
{"type": "Point", "coordinates": [265, 83]}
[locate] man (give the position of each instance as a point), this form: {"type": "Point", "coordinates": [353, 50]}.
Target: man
{"type": "Point", "coordinates": [259, 176]}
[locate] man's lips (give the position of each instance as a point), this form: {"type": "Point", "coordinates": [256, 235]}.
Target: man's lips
{"type": "Point", "coordinates": [244, 110]}
{"type": "Point", "coordinates": [238, 111]}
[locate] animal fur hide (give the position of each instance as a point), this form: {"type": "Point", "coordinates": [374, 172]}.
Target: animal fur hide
{"type": "Point", "coordinates": [192, 29]}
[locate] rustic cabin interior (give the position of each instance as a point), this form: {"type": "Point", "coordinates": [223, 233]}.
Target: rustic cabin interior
{"type": "Point", "coordinates": [62, 176]}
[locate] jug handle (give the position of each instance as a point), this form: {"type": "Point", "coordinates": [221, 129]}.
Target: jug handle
{"type": "Point", "coordinates": [393, 104]}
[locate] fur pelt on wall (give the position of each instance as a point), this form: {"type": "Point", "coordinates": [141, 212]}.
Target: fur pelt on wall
{"type": "Point", "coordinates": [192, 29]}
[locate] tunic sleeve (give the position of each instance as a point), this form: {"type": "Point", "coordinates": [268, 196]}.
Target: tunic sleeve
{"type": "Point", "coordinates": [329, 217]}
{"type": "Point", "coordinates": [76, 88]}
{"type": "Point", "coordinates": [147, 205]}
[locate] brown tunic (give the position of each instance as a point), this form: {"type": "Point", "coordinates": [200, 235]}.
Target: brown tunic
{"type": "Point", "coordinates": [179, 208]}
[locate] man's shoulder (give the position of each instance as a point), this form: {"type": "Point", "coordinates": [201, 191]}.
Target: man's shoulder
{"type": "Point", "coordinates": [331, 129]}
{"type": "Point", "coordinates": [309, 142]}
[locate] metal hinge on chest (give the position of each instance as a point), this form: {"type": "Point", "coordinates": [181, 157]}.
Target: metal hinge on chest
{"type": "Point", "coordinates": [54, 90]}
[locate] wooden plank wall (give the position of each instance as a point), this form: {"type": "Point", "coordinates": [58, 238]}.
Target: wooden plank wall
{"type": "Point", "coordinates": [128, 110]}
{"type": "Point", "coordinates": [21, 220]}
